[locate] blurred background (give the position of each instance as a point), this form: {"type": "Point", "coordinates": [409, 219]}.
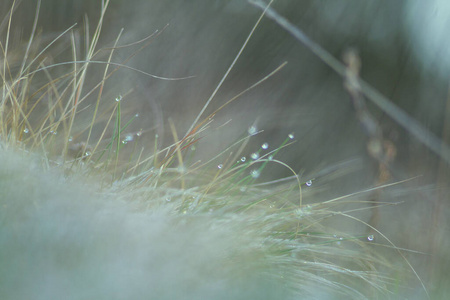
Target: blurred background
{"type": "Point", "coordinates": [404, 51]}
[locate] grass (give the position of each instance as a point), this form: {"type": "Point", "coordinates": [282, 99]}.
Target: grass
{"type": "Point", "coordinates": [62, 111]}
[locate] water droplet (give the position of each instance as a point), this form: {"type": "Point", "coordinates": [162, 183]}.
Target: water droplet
{"type": "Point", "coordinates": [243, 188]}
{"type": "Point", "coordinates": [265, 146]}
{"type": "Point", "coordinates": [168, 199]}
{"type": "Point", "coordinates": [87, 153]}
{"type": "Point", "coordinates": [291, 136]}
{"type": "Point", "coordinates": [139, 133]}
{"type": "Point", "coordinates": [26, 130]}
{"type": "Point", "coordinates": [136, 115]}
{"type": "Point", "coordinates": [70, 138]}
{"type": "Point", "coordinates": [255, 173]}
{"type": "Point", "coordinates": [220, 166]}
{"type": "Point", "coordinates": [271, 206]}
{"type": "Point", "coordinates": [252, 130]}
{"type": "Point", "coordinates": [308, 183]}
{"type": "Point", "coordinates": [254, 156]}
{"type": "Point", "coordinates": [270, 157]}
{"type": "Point", "coordinates": [243, 158]}
{"type": "Point", "coordinates": [53, 132]}
{"type": "Point", "coordinates": [124, 142]}
{"type": "Point", "coordinates": [370, 237]}
{"type": "Point", "coordinates": [118, 99]}
{"type": "Point", "coordinates": [129, 137]}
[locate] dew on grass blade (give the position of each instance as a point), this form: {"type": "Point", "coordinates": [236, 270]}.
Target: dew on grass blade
{"type": "Point", "coordinates": [118, 99]}
{"type": "Point", "coordinates": [254, 156]}
{"type": "Point", "coordinates": [70, 138]}
{"type": "Point", "coordinates": [26, 130]}
{"type": "Point", "coordinates": [252, 130]}
{"type": "Point", "coordinates": [308, 183]}
{"type": "Point", "coordinates": [255, 173]}
{"type": "Point", "coordinates": [291, 136]}
{"type": "Point", "coordinates": [220, 166]}
{"type": "Point", "coordinates": [265, 146]}
{"type": "Point", "coordinates": [243, 158]}
{"type": "Point", "coordinates": [270, 157]}
{"type": "Point", "coordinates": [370, 237]}
{"type": "Point", "coordinates": [128, 138]}
{"type": "Point", "coordinates": [139, 133]}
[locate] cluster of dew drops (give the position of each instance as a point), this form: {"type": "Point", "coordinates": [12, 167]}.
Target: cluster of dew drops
{"type": "Point", "coordinates": [255, 155]}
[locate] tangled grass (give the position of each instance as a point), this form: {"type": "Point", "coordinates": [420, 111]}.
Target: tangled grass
{"type": "Point", "coordinates": [271, 232]}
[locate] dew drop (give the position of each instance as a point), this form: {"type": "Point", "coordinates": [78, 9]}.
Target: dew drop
{"type": "Point", "coordinates": [265, 146]}
{"type": "Point", "coordinates": [139, 133]}
{"type": "Point", "coordinates": [308, 183]}
{"type": "Point", "coordinates": [26, 130]}
{"type": "Point", "coordinates": [168, 199]}
{"type": "Point", "coordinates": [53, 132]}
{"type": "Point", "coordinates": [370, 237]}
{"type": "Point", "coordinates": [136, 115]}
{"type": "Point", "coordinates": [291, 136]}
{"type": "Point", "coordinates": [243, 158]}
{"type": "Point", "coordinates": [252, 130]}
{"type": "Point", "coordinates": [129, 138]}
{"type": "Point", "coordinates": [70, 138]}
{"type": "Point", "coordinates": [220, 166]}
{"type": "Point", "coordinates": [270, 157]}
{"type": "Point", "coordinates": [254, 156]}
{"type": "Point", "coordinates": [255, 173]}
{"type": "Point", "coordinates": [118, 99]}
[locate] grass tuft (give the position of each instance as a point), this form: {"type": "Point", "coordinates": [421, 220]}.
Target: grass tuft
{"type": "Point", "coordinates": [62, 111]}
